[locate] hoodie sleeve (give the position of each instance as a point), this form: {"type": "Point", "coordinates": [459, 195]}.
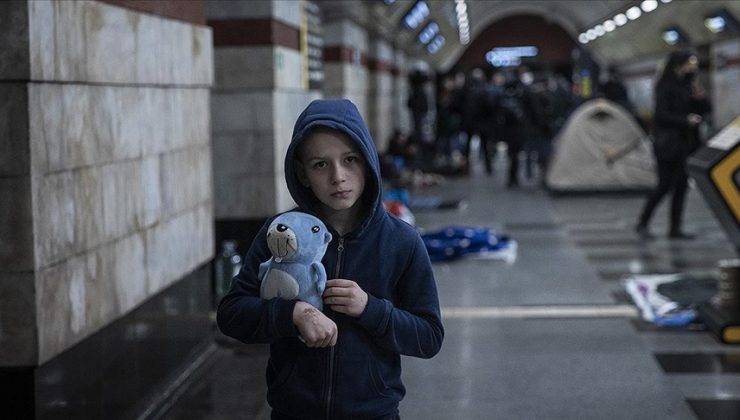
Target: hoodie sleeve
{"type": "Point", "coordinates": [243, 314]}
{"type": "Point", "coordinates": [413, 327]}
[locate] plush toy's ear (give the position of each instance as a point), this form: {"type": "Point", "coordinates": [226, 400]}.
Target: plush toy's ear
{"type": "Point", "coordinates": [327, 237]}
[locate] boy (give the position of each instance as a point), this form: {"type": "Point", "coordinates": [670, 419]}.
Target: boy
{"type": "Point", "coordinates": [380, 300]}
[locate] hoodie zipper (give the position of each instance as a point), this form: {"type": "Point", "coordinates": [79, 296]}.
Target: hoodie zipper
{"type": "Point", "coordinates": [332, 356]}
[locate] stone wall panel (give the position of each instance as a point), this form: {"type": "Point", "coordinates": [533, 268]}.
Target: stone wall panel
{"type": "Point", "coordinates": [245, 197]}
{"type": "Point", "coordinates": [185, 179]}
{"type": "Point", "coordinates": [239, 111]}
{"type": "Point", "coordinates": [178, 245]}
{"type": "Point", "coordinates": [288, 68]}
{"type": "Point", "coordinates": [105, 156]}
{"type": "Point", "coordinates": [196, 115]}
{"type": "Point", "coordinates": [14, 54]}
{"type": "Point", "coordinates": [16, 225]}
{"type": "Point", "coordinates": [129, 272]}
{"type": "Point", "coordinates": [245, 67]}
{"type": "Point", "coordinates": [725, 96]}
{"type": "Point", "coordinates": [89, 224]}
{"type": "Point", "coordinates": [151, 191]}
{"type": "Point", "coordinates": [54, 215]}
{"type": "Point", "coordinates": [245, 153]}
{"type": "Point", "coordinates": [110, 35]}
{"type": "Point", "coordinates": [122, 199]}
{"type": "Point", "coordinates": [95, 42]}
{"type": "Point", "coordinates": [18, 345]}
{"type": "Point", "coordinates": [61, 305]}
{"type": "Point", "coordinates": [14, 151]}
{"type": "Point", "coordinates": [81, 125]}
{"type": "Point", "coordinates": [288, 106]}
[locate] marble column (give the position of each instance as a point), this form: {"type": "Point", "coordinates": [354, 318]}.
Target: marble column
{"type": "Point", "coordinates": [380, 92]}
{"type": "Point", "coordinates": [260, 89]}
{"type": "Point", "coordinates": [104, 170]}
{"type": "Point", "coordinates": [346, 63]}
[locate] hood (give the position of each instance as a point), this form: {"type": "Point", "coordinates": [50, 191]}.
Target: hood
{"type": "Point", "coordinates": [342, 115]}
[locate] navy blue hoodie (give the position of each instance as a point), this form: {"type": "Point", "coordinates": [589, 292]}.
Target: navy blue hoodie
{"type": "Point", "coordinates": [360, 377]}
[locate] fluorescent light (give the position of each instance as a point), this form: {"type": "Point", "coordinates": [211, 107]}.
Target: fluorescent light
{"type": "Point", "coordinates": [428, 32]}
{"type": "Point", "coordinates": [620, 19]}
{"type": "Point", "coordinates": [463, 25]}
{"type": "Point", "coordinates": [583, 39]}
{"type": "Point", "coordinates": [674, 35]}
{"type": "Point", "coordinates": [648, 6]}
{"type": "Point", "coordinates": [591, 34]}
{"type": "Point", "coordinates": [436, 44]}
{"type": "Point", "coordinates": [665, 1]}
{"type": "Point", "coordinates": [609, 25]}
{"type": "Point", "coordinates": [670, 37]}
{"type": "Point", "coordinates": [416, 15]}
{"type": "Point", "coordinates": [510, 56]}
{"type": "Point", "coordinates": [633, 13]}
{"type": "Point", "coordinates": [715, 24]}
{"type": "Point", "coordinates": [599, 29]}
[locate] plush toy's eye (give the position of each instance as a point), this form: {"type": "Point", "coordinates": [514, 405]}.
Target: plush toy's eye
{"type": "Point", "coordinates": [315, 229]}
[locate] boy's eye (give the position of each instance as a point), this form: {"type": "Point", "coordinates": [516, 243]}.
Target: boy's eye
{"type": "Point", "coordinates": [319, 165]}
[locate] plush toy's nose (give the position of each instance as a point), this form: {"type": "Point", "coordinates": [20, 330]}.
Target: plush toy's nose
{"type": "Point", "coordinates": [281, 227]}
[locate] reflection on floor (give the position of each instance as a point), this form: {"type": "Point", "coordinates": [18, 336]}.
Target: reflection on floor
{"type": "Point", "coordinates": [515, 351]}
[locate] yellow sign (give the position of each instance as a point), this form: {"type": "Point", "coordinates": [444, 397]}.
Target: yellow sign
{"type": "Point", "coordinates": [723, 176]}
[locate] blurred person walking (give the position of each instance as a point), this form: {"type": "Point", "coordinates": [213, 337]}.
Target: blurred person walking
{"type": "Point", "coordinates": [679, 108]}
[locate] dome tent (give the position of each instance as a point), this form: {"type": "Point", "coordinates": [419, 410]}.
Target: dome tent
{"type": "Point", "coordinates": [601, 148]}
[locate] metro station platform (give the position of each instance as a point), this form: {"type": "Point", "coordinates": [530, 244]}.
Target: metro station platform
{"type": "Point", "coordinates": [550, 335]}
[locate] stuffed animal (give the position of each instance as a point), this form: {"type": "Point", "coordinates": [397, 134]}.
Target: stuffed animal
{"type": "Point", "coordinates": [297, 242]}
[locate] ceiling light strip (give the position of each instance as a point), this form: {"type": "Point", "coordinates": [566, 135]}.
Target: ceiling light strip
{"type": "Point", "coordinates": [463, 23]}
{"type": "Point", "coordinates": [620, 19]}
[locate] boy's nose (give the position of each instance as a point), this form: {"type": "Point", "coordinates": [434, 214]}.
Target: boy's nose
{"type": "Point", "coordinates": [337, 175]}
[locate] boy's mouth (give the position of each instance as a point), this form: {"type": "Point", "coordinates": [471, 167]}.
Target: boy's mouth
{"type": "Point", "coordinates": [341, 194]}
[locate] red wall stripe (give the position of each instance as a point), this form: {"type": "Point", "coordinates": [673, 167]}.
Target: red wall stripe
{"type": "Point", "coordinates": [246, 32]}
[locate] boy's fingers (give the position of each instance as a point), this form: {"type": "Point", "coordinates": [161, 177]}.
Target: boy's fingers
{"type": "Point", "coordinates": [339, 283]}
{"type": "Point", "coordinates": [336, 300]}
{"type": "Point", "coordinates": [336, 291]}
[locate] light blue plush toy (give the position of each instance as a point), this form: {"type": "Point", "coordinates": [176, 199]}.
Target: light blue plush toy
{"type": "Point", "coordinates": [297, 242]}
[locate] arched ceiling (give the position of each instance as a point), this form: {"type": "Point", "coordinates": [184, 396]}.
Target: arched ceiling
{"type": "Point", "coordinates": [574, 16]}
{"type": "Point", "coordinates": [571, 15]}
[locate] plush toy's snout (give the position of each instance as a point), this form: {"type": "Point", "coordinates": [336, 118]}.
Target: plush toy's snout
{"type": "Point", "coordinates": [282, 242]}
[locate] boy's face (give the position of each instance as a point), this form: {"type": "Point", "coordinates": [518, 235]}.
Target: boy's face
{"type": "Point", "coordinates": [332, 167]}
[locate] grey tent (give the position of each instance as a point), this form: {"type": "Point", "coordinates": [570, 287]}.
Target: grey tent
{"type": "Point", "coordinates": [601, 148]}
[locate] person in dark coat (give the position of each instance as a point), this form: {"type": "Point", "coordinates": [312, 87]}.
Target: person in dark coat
{"type": "Point", "coordinates": [679, 106]}
{"type": "Point", "coordinates": [475, 117]}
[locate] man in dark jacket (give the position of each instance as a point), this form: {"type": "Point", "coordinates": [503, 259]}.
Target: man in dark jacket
{"type": "Point", "coordinates": [380, 302]}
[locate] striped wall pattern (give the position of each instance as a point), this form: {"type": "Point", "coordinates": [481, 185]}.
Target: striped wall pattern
{"type": "Point", "coordinates": [106, 164]}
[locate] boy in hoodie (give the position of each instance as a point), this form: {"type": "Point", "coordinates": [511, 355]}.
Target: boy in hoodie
{"type": "Point", "coordinates": [380, 300]}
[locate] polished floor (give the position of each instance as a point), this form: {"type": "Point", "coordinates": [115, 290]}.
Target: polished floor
{"type": "Point", "coordinates": [550, 335]}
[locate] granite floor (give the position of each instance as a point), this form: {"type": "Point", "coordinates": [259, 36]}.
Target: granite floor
{"type": "Point", "coordinates": [549, 335]}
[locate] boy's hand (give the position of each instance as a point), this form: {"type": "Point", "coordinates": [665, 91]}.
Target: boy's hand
{"type": "Point", "coordinates": [316, 329]}
{"type": "Point", "coordinates": [345, 296]}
